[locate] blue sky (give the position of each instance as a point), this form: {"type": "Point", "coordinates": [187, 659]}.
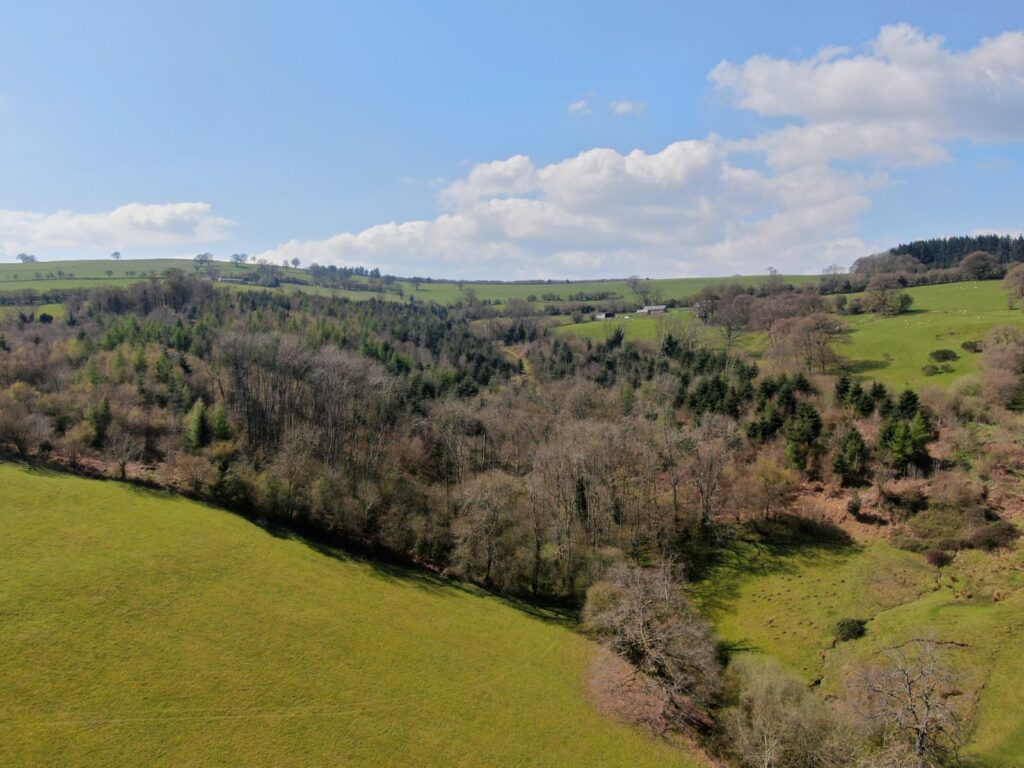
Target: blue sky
{"type": "Point", "coordinates": [441, 138]}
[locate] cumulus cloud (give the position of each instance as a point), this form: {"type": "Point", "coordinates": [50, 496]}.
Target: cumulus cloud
{"type": "Point", "coordinates": [685, 209]}
{"type": "Point", "coordinates": [135, 224]}
{"type": "Point", "coordinates": [792, 197]}
{"type": "Point", "coordinates": [579, 107]}
{"type": "Point", "coordinates": [899, 99]}
{"type": "Point", "coordinates": [625, 107]}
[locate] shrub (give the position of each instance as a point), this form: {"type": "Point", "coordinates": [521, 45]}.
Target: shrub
{"type": "Point", "coordinates": [934, 528]}
{"type": "Point", "coordinates": [971, 346]}
{"type": "Point", "coordinates": [930, 370]}
{"type": "Point", "coordinates": [938, 558]}
{"type": "Point", "coordinates": [957, 492]}
{"type": "Point", "coordinates": [849, 629]}
{"type": "Point", "coordinates": [776, 720]}
{"type": "Point", "coordinates": [853, 506]}
{"type": "Point", "coordinates": [994, 536]}
{"type": "Point", "coordinates": [943, 355]}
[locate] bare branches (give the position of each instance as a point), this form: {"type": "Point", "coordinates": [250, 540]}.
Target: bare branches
{"type": "Point", "coordinates": [710, 444]}
{"type": "Point", "coordinates": [909, 696]}
{"type": "Point", "coordinates": [644, 615]}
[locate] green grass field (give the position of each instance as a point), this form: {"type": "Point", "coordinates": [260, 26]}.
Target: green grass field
{"type": "Point", "coordinates": [635, 328]}
{"type": "Point", "coordinates": [91, 272]}
{"type": "Point", "coordinates": [894, 350]}
{"type": "Point", "coordinates": [56, 311]}
{"type": "Point", "coordinates": [18, 276]}
{"type": "Point", "coordinates": [784, 601]}
{"type": "Point", "coordinates": [670, 288]}
{"type": "Point", "coordinates": [142, 629]}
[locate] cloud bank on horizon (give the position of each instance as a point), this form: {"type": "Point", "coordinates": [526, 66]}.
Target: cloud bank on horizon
{"type": "Point", "coordinates": [793, 196]}
{"type": "Point", "coordinates": [132, 225]}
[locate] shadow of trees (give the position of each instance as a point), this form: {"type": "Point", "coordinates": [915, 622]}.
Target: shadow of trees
{"type": "Point", "coordinates": [781, 545]}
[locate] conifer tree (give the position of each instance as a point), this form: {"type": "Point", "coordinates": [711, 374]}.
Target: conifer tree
{"type": "Point", "coordinates": [802, 432]}
{"type": "Point", "coordinates": [851, 459]}
{"type": "Point", "coordinates": [220, 427]}
{"type": "Point", "coordinates": [197, 426]}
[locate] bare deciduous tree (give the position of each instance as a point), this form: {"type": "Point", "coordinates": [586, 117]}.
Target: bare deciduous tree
{"type": "Point", "coordinates": [710, 444]}
{"type": "Point", "coordinates": [644, 615]}
{"type": "Point", "coordinates": [1013, 283]}
{"type": "Point", "coordinates": [123, 446]}
{"type": "Point", "coordinates": [885, 296]}
{"type": "Point", "coordinates": [21, 428]}
{"type": "Point", "coordinates": [909, 696]}
{"type": "Point", "coordinates": [808, 341]}
{"type": "Point", "coordinates": [488, 530]}
{"type": "Point", "coordinates": [778, 722]}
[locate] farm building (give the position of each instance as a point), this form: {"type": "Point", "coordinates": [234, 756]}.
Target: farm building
{"type": "Point", "coordinates": [652, 309]}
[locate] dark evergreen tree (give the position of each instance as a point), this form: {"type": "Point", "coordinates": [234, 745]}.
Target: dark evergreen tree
{"type": "Point", "coordinates": [802, 431]}
{"type": "Point", "coordinates": [851, 459]}
{"type": "Point", "coordinates": [908, 404]}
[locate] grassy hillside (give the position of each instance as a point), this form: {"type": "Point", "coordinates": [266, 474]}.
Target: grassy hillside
{"type": "Point", "coordinates": [895, 349]}
{"type": "Point", "coordinates": [784, 600]}
{"type": "Point", "coordinates": [140, 629]}
{"type": "Point", "coordinates": [92, 272]}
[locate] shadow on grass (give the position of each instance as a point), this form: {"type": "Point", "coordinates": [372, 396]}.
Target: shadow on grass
{"type": "Point", "coordinates": [383, 563]}
{"type": "Point", "coordinates": [395, 570]}
{"type": "Point", "coordinates": [865, 366]}
{"type": "Point", "coordinates": [782, 545]}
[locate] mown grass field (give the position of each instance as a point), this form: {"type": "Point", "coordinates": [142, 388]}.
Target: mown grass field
{"type": "Point", "coordinates": [784, 601]}
{"type": "Point", "coordinates": [142, 629]}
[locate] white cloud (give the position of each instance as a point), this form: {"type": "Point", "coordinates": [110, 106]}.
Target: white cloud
{"type": "Point", "coordinates": [792, 197]}
{"type": "Point", "coordinates": [579, 107]}
{"type": "Point", "coordinates": [135, 224]}
{"type": "Point", "coordinates": [512, 176]}
{"type": "Point", "coordinates": [683, 210]}
{"type": "Point", "coordinates": [902, 79]}
{"type": "Point", "coordinates": [891, 143]}
{"type": "Point", "coordinates": [625, 107]}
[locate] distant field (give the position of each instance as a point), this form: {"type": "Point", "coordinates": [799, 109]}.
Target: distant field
{"type": "Point", "coordinates": [634, 327]}
{"type": "Point", "coordinates": [56, 311]}
{"type": "Point", "coordinates": [895, 349]}
{"type": "Point", "coordinates": [785, 603]}
{"type": "Point", "coordinates": [670, 288]}
{"type": "Point", "coordinates": [94, 272]}
{"type": "Point", "coordinates": [141, 629]}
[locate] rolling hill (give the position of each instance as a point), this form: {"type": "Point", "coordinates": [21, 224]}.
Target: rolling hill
{"type": "Point", "coordinates": [143, 629]}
